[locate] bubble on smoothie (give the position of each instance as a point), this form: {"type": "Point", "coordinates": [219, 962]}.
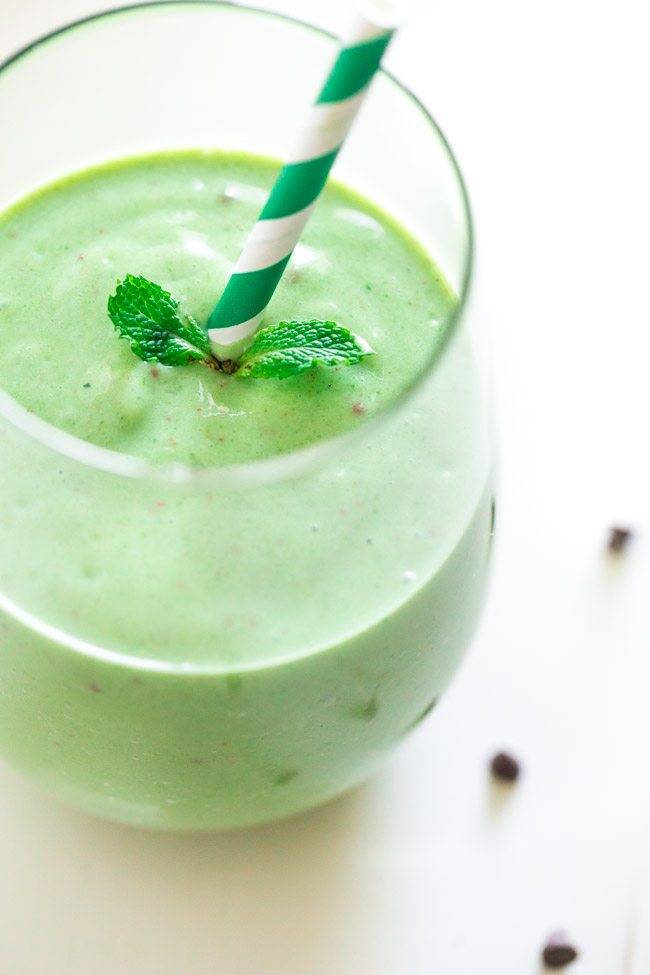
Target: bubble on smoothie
{"type": "Point", "coordinates": [305, 257]}
{"type": "Point", "coordinates": [197, 244]}
{"type": "Point", "coordinates": [362, 220]}
{"type": "Point", "coordinates": [181, 217]}
{"type": "Point", "coordinates": [245, 192]}
{"type": "Point", "coordinates": [198, 185]}
{"type": "Point", "coordinates": [325, 310]}
{"type": "Point", "coordinates": [409, 576]}
{"type": "Point", "coordinates": [335, 474]}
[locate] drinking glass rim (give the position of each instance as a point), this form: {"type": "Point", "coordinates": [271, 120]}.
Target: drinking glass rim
{"type": "Point", "coordinates": [282, 466]}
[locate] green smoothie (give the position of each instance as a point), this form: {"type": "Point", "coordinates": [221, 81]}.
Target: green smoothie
{"type": "Point", "coordinates": [199, 646]}
{"type": "Point", "coordinates": [182, 220]}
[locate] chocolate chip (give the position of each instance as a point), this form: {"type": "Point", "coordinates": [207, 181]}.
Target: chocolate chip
{"type": "Point", "coordinates": [558, 951]}
{"type": "Point", "coordinates": [619, 539]}
{"type": "Point", "coordinates": [505, 767]}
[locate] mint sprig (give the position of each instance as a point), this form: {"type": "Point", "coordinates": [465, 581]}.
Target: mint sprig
{"type": "Point", "coordinates": [149, 318]}
{"type": "Point", "coordinates": [289, 348]}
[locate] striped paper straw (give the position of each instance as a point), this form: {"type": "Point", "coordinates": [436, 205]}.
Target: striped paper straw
{"type": "Point", "coordinates": [266, 254]}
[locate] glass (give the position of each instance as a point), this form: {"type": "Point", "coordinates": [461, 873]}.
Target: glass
{"type": "Point", "coordinates": [100, 714]}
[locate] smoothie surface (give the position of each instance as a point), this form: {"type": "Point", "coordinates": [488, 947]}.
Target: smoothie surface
{"type": "Point", "coordinates": [204, 578]}
{"type": "Point", "coordinates": [181, 219]}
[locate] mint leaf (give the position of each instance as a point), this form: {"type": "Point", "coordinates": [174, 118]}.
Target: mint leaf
{"type": "Point", "coordinates": [147, 316]}
{"type": "Point", "coordinates": [289, 348]}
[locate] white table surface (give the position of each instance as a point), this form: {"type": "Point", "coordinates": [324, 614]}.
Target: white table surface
{"type": "Point", "coordinates": [426, 870]}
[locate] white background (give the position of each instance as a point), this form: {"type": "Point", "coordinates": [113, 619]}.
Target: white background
{"type": "Point", "coordinates": [428, 869]}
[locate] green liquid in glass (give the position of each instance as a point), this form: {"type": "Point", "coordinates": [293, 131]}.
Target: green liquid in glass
{"type": "Point", "coordinates": [260, 650]}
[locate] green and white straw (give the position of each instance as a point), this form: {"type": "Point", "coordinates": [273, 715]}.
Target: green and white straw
{"type": "Point", "coordinates": [238, 313]}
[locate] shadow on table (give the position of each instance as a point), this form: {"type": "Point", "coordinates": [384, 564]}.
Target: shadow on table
{"type": "Point", "coordinates": [269, 900]}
